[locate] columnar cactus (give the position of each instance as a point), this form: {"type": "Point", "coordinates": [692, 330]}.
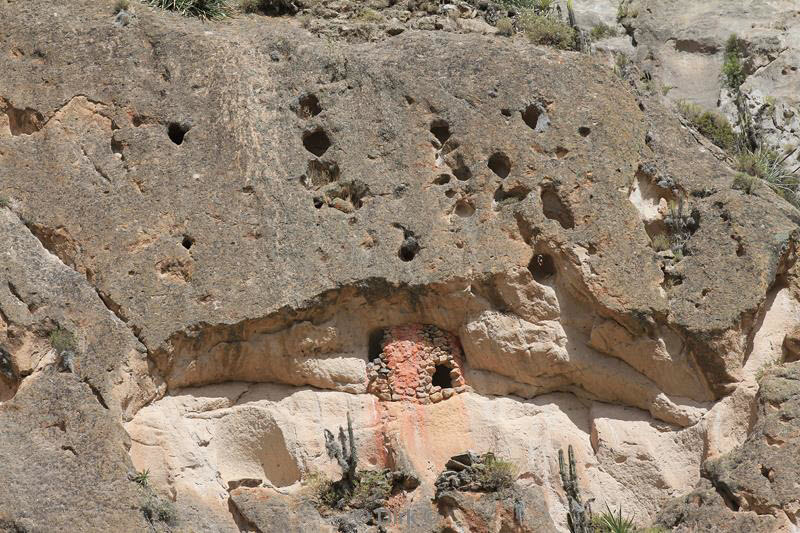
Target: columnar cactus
{"type": "Point", "coordinates": [344, 452]}
{"type": "Point", "coordinates": [577, 518]}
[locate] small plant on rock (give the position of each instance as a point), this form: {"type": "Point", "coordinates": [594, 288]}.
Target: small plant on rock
{"type": "Point", "coordinates": [611, 522]}
{"type": "Point", "coordinates": [505, 27]}
{"type": "Point", "coordinates": [62, 340]}
{"type": "Point", "coordinates": [157, 509]}
{"type": "Point", "coordinates": [204, 9]}
{"type": "Point", "coordinates": [548, 30]}
{"type": "Point", "coordinates": [4, 201]}
{"type": "Point", "coordinates": [710, 124]}
{"type": "Point", "coordinates": [141, 478]}
{"type": "Point", "coordinates": [601, 31]}
{"type": "Point", "coordinates": [496, 474]}
{"type": "Point", "coordinates": [121, 5]}
{"type": "Point", "coordinates": [745, 183]}
{"type": "Point", "coordinates": [767, 165]}
{"type": "Point", "coordinates": [732, 66]}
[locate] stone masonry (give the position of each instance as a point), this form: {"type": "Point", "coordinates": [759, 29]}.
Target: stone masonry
{"type": "Point", "coordinates": [417, 363]}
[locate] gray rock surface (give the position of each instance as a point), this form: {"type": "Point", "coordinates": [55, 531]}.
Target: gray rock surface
{"type": "Point", "coordinates": [209, 203]}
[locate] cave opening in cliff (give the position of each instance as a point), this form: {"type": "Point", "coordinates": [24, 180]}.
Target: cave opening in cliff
{"type": "Point", "coordinates": [375, 344]}
{"type": "Point", "coordinates": [542, 267]}
{"type": "Point", "coordinates": [441, 377]}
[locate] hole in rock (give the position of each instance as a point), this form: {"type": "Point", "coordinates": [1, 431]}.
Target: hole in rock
{"type": "Point", "coordinates": [535, 117]}
{"type": "Point", "coordinates": [584, 131]}
{"type": "Point", "coordinates": [500, 164]}
{"type": "Point", "coordinates": [187, 241]}
{"type": "Point", "coordinates": [443, 179]}
{"type": "Point", "coordinates": [308, 106]}
{"type": "Point", "coordinates": [561, 152]}
{"type": "Point", "coordinates": [505, 112]}
{"type": "Point", "coordinates": [177, 132]}
{"type": "Point", "coordinates": [409, 249]}
{"type": "Point", "coordinates": [319, 173]}
{"type": "Point", "coordinates": [441, 377]}
{"type": "Point", "coordinates": [515, 194]}
{"type": "Point", "coordinates": [318, 202]}
{"type": "Point", "coordinates": [316, 141]}
{"type": "Point", "coordinates": [23, 121]}
{"type": "Point", "coordinates": [461, 170]}
{"type": "Point", "coordinates": [554, 208]}
{"type": "Point", "coordinates": [542, 267]}
{"type": "Point", "coordinates": [375, 344]}
{"type": "Point", "coordinates": [464, 209]}
{"type": "Point", "coordinates": [450, 193]}
{"type": "Point", "coordinates": [441, 130]}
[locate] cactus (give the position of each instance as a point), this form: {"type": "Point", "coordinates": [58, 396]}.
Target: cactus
{"type": "Point", "coordinates": [581, 42]}
{"type": "Point", "coordinates": [577, 517]}
{"type": "Point", "coordinates": [344, 451]}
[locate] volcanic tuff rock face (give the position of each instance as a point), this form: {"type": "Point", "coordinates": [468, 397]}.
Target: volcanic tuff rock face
{"type": "Point", "coordinates": [228, 215]}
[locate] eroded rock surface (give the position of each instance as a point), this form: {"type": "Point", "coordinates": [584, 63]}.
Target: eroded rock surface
{"type": "Point", "coordinates": [250, 233]}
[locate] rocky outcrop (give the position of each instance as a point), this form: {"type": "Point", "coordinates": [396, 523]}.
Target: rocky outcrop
{"type": "Point", "coordinates": [755, 484]}
{"type": "Point", "coordinates": [249, 233]}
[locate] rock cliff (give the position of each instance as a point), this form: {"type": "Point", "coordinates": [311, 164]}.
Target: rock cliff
{"type": "Point", "coordinates": [220, 239]}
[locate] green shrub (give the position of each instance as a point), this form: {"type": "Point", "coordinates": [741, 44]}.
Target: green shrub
{"type": "Point", "coordinates": [540, 7]}
{"type": "Point", "coordinates": [4, 201]}
{"type": "Point", "coordinates": [142, 478]}
{"type": "Point", "coordinates": [767, 165]}
{"type": "Point", "coordinates": [372, 489]}
{"type": "Point", "coordinates": [156, 508]}
{"type": "Point", "coordinates": [745, 182]}
{"type": "Point", "coordinates": [732, 66]}
{"type": "Point", "coordinates": [367, 14]}
{"type": "Point", "coordinates": [547, 30]}
{"type": "Point", "coordinates": [204, 9]}
{"type": "Point", "coordinates": [611, 522]}
{"type": "Point", "coordinates": [602, 31]}
{"type": "Point", "coordinates": [710, 124]}
{"type": "Point", "coordinates": [505, 26]}
{"type": "Point", "coordinates": [626, 10]}
{"type": "Point", "coordinates": [121, 5]}
{"type": "Point", "coordinates": [496, 474]}
{"type": "Point", "coordinates": [62, 340]}
{"type": "Point", "coordinates": [661, 242]}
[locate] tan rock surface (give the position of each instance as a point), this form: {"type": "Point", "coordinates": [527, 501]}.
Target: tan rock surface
{"type": "Point", "coordinates": [223, 216]}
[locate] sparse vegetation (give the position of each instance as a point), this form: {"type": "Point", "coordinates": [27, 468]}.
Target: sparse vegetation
{"type": "Point", "coordinates": [626, 10]}
{"type": "Point", "coordinates": [745, 182]}
{"type": "Point", "coordinates": [62, 340]}
{"type": "Point", "coordinates": [156, 508]}
{"type": "Point", "coordinates": [660, 242]}
{"type": "Point", "coordinates": [3, 201]}
{"type": "Point", "coordinates": [121, 5]}
{"type": "Point", "coordinates": [710, 124]}
{"type": "Point", "coordinates": [602, 30]}
{"type": "Point", "coordinates": [204, 9]}
{"type": "Point", "coordinates": [611, 522]}
{"type": "Point", "coordinates": [768, 166]}
{"type": "Point", "coordinates": [496, 474]}
{"type": "Point", "coordinates": [142, 478]}
{"type": "Point", "coordinates": [367, 14]}
{"type": "Point", "coordinates": [372, 488]}
{"type": "Point", "coordinates": [732, 66]}
{"type": "Point", "coordinates": [505, 26]}
{"type": "Point", "coordinates": [578, 519]}
{"type": "Point", "coordinates": [547, 29]}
